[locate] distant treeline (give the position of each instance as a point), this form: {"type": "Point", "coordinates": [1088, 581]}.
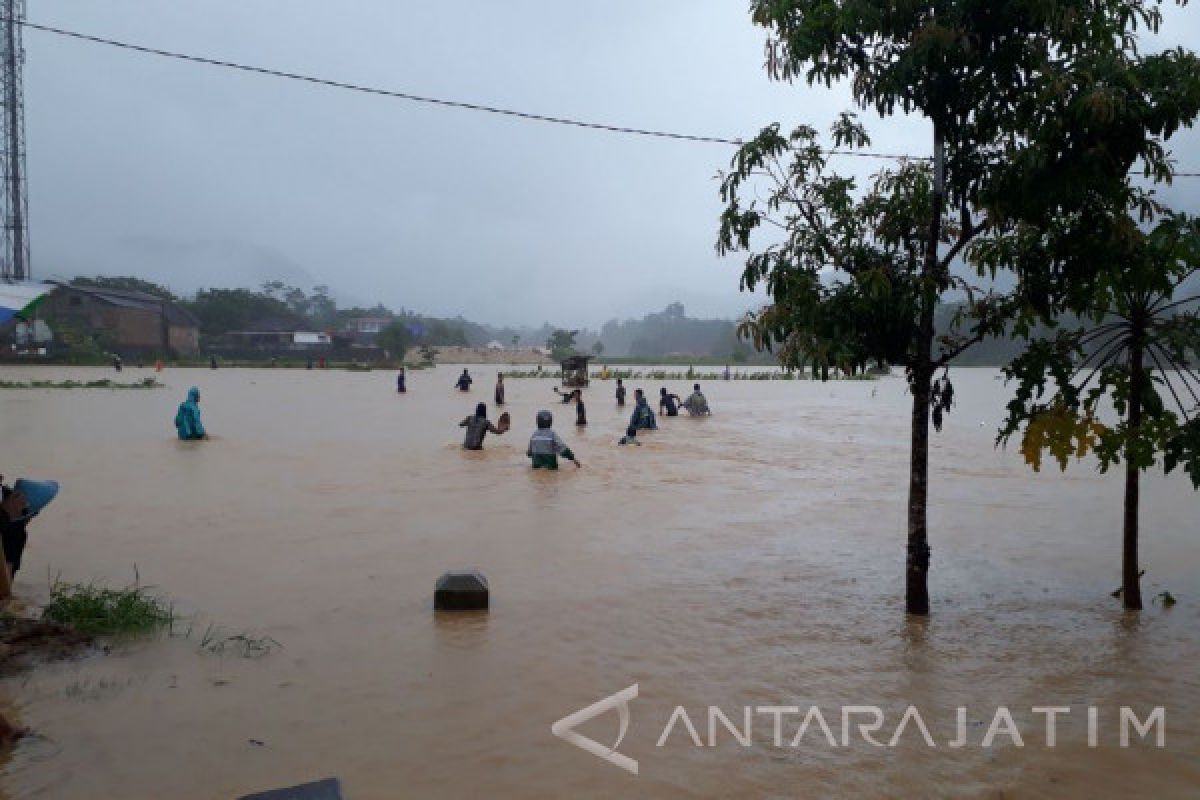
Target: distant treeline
{"type": "Point", "coordinates": [668, 335]}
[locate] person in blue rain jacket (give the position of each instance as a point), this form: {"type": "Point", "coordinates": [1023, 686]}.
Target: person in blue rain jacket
{"type": "Point", "coordinates": [187, 418]}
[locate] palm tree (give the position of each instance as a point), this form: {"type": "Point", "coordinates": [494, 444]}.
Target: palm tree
{"type": "Point", "coordinates": [1144, 344]}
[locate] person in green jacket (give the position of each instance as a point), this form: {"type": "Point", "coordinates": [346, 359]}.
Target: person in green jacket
{"type": "Point", "coordinates": [545, 446]}
{"type": "Point", "coordinates": [187, 418]}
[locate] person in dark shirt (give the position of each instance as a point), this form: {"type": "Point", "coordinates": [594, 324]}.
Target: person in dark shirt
{"type": "Point", "coordinates": [580, 411]}
{"type": "Point", "coordinates": [668, 403]}
{"type": "Point", "coordinates": [478, 426]}
{"type": "Point", "coordinates": [642, 418]}
{"type": "Point", "coordinates": [13, 520]}
{"type": "Point", "coordinates": [464, 381]}
{"type": "Point", "coordinates": [400, 378]}
{"type": "Point", "coordinates": [499, 388]}
{"type": "Point", "coordinates": [620, 394]}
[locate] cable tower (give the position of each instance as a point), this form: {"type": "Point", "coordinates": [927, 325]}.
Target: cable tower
{"type": "Point", "coordinates": [14, 204]}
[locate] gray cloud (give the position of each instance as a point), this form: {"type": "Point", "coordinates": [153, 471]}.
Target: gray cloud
{"type": "Point", "coordinates": [198, 176]}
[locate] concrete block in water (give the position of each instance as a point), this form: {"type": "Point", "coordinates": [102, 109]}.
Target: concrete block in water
{"type": "Point", "coordinates": [461, 590]}
{"type": "Point", "coordinates": [328, 789]}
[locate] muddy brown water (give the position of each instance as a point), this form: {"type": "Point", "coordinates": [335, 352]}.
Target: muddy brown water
{"type": "Point", "coordinates": [750, 559]}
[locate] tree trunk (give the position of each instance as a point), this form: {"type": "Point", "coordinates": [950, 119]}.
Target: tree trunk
{"type": "Point", "coordinates": [1131, 585]}
{"type": "Point", "coordinates": [916, 574]}
{"type": "Point", "coordinates": [916, 584]}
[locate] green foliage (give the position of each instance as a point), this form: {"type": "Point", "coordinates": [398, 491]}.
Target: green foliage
{"type": "Point", "coordinates": [1041, 103]}
{"type": "Point", "coordinates": [97, 610]}
{"type": "Point", "coordinates": [561, 343]}
{"type": "Point", "coordinates": [1138, 358]}
{"type": "Point", "coordinates": [396, 339]}
{"type": "Point", "coordinates": [850, 282]}
{"type": "Point", "coordinates": [224, 310]}
{"type": "Point", "coordinates": [125, 283]}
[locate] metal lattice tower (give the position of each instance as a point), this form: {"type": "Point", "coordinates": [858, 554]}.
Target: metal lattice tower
{"type": "Point", "coordinates": [14, 205]}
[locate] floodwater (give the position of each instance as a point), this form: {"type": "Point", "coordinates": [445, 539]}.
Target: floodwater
{"type": "Point", "coordinates": [754, 558]}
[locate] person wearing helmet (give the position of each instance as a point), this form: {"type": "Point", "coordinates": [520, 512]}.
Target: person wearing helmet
{"type": "Point", "coordinates": [545, 446]}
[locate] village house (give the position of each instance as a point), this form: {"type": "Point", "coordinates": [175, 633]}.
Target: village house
{"type": "Point", "coordinates": [126, 322]}
{"type": "Point", "coordinates": [365, 330]}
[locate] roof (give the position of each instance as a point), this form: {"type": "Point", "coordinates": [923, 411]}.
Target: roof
{"type": "Point", "coordinates": [137, 301]}
{"type": "Point", "coordinates": [575, 362]}
{"type": "Point", "coordinates": [271, 325]}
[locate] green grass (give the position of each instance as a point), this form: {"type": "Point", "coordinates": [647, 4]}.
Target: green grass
{"type": "Point", "coordinates": [103, 383]}
{"type": "Point", "coordinates": [101, 611]}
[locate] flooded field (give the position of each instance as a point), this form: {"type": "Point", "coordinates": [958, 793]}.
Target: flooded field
{"type": "Point", "coordinates": [753, 558]}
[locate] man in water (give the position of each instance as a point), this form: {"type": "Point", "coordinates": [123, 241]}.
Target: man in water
{"type": "Point", "coordinates": [477, 427]}
{"type": "Point", "coordinates": [400, 388]}
{"type": "Point", "coordinates": [620, 394]}
{"type": "Point", "coordinates": [499, 388]}
{"type": "Point", "coordinates": [580, 411]}
{"type": "Point", "coordinates": [464, 381]}
{"type": "Point", "coordinates": [643, 417]}
{"type": "Point", "coordinates": [668, 403]}
{"type": "Point", "coordinates": [187, 418]}
{"type": "Point", "coordinates": [696, 404]}
{"type": "Point", "coordinates": [545, 446]}
{"type": "Point", "coordinates": [726, 374]}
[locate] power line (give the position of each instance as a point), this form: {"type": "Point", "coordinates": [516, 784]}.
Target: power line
{"type": "Point", "coordinates": [416, 98]}
{"type": "Point", "coordinates": [354, 87]}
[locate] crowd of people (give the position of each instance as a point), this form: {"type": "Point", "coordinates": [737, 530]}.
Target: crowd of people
{"type": "Point", "coordinates": [546, 446]}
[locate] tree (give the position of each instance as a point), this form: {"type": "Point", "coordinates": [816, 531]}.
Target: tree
{"type": "Point", "coordinates": [1141, 346]}
{"type": "Point", "coordinates": [1033, 113]}
{"type": "Point", "coordinates": [879, 303]}
{"type": "Point", "coordinates": [396, 339]}
{"type": "Point", "coordinates": [598, 348]}
{"type": "Point", "coordinates": [561, 343]}
{"type": "Point", "coordinates": [223, 310]}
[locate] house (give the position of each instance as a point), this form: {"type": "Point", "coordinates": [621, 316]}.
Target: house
{"type": "Point", "coordinates": [365, 330]}
{"type": "Point", "coordinates": [277, 335]}
{"type": "Point", "coordinates": [123, 321]}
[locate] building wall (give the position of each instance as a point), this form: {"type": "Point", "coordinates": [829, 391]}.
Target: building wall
{"type": "Point", "coordinates": [184, 339]}
{"type": "Point", "coordinates": [124, 328]}
{"type": "Point", "coordinates": [134, 328]}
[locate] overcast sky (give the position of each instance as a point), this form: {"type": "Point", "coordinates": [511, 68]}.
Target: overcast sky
{"type": "Point", "coordinates": [197, 176]}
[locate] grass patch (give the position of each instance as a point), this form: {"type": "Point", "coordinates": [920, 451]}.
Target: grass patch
{"type": "Point", "coordinates": [101, 611]}
{"type": "Point", "coordinates": [103, 383]}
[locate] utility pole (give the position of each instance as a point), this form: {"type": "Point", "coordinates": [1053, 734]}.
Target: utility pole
{"type": "Point", "coordinates": [14, 205]}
